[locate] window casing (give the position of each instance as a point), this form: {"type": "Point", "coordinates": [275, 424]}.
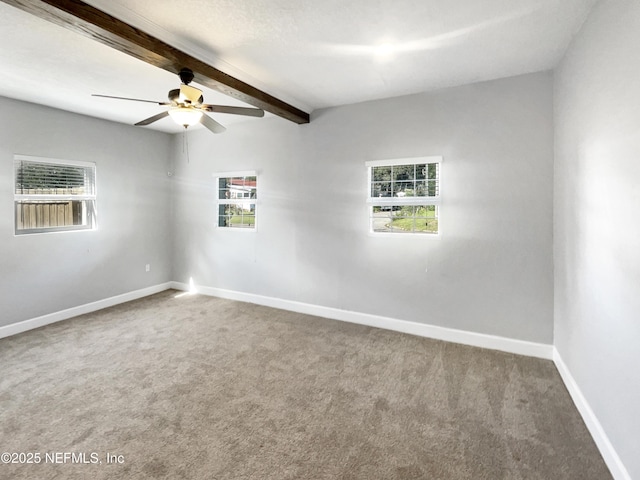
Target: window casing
{"type": "Point", "coordinates": [53, 195]}
{"type": "Point", "coordinates": [237, 197]}
{"type": "Point", "coordinates": [404, 195]}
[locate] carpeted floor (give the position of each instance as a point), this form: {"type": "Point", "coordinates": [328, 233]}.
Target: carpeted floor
{"type": "Point", "coordinates": [192, 387]}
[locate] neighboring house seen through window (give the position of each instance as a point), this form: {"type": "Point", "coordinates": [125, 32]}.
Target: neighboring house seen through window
{"type": "Point", "coordinates": [53, 195]}
{"type": "Point", "coordinates": [404, 195]}
{"type": "Point", "coordinates": [237, 194]}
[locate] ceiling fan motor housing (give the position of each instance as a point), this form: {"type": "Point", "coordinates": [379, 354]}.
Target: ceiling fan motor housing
{"type": "Point", "coordinates": [186, 106]}
{"type": "Point", "coordinates": [186, 76]}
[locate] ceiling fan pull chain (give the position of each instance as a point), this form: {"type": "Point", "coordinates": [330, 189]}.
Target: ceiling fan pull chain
{"type": "Point", "coordinates": [185, 143]}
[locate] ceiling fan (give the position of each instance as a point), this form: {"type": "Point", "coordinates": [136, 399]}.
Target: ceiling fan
{"type": "Point", "coordinates": [186, 107]}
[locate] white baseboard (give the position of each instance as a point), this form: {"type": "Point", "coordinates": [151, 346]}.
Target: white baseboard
{"type": "Point", "coordinates": [37, 322]}
{"type": "Point", "coordinates": [520, 347]}
{"type": "Point", "coordinates": [492, 342]}
{"type": "Point", "coordinates": [611, 458]}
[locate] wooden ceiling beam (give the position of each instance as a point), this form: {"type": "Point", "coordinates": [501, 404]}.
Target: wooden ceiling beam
{"type": "Point", "coordinates": [82, 18]}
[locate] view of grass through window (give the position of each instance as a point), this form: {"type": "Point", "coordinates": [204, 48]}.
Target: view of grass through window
{"type": "Point", "coordinates": [237, 201]}
{"type": "Point", "coordinates": [404, 197]}
{"type": "Point", "coordinates": [406, 218]}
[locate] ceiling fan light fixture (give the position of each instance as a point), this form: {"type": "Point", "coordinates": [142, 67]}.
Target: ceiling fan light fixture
{"type": "Point", "coordinates": [185, 116]}
{"type": "Point", "coordinates": [187, 107]}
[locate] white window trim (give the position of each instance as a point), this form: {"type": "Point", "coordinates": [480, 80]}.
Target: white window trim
{"type": "Point", "coordinates": [403, 161]}
{"type": "Point", "coordinates": [242, 201]}
{"type": "Point", "coordinates": [17, 197]}
{"type": "Point", "coordinates": [30, 158]}
{"type": "Point", "coordinates": [382, 201]}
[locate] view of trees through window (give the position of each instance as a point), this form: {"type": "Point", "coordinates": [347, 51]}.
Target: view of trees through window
{"type": "Point", "coordinates": [420, 180]}
{"type": "Point", "coordinates": [403, 197]}
{"type": "Point", "coordinates": [237, 201]}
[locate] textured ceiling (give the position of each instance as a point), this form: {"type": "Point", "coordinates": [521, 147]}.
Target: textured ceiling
{"type": "Point", "coordinates": [309, 53]}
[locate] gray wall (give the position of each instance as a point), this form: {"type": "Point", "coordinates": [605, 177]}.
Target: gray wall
{"type": "Point", "coordinates": [46, 273]}
{"type": "Point", "coordinates": [489, 271]}
{"type": "Point", "coordinates": [597, 232]}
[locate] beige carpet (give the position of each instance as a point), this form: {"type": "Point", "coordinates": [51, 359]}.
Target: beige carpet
{"type": "Point", "coordinates": [194, 387]}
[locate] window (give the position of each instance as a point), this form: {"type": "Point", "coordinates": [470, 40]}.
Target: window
{"type": "Point", "coordinates": [54, 195]}
{"type": "Point", "coordinates": [404, 195]}
{"type": "Point", "coordinates": [237, 195]}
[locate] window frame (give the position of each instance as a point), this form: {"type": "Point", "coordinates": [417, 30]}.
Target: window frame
{"type": "Point", "coordinates": [235, 201]}
{"type": "Point", "coordinates": [90, 198]}
{"type": "Point", "coordinates": [403, 201]}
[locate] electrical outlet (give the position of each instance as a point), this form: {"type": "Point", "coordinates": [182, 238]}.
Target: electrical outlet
{"type": "Point", "coordinates": [147, 268]}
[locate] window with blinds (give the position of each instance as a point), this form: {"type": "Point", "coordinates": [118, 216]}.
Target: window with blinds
{"type": "Point", "coordinates": [404, 195]}
{"type": "Point", "coordinates": [53, 195]}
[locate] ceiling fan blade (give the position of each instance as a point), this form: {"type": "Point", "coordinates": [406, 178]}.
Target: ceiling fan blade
{"type": "Point", "coordinates": [155, 118]}
{"type": "Point", "coordinates": [251, 112]}
{"type": "Point", "coordinates": [132, 99]}
{"type": "Point", "coordinates": [211, 124]}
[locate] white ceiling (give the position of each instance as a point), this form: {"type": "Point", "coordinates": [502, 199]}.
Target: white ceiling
{"type": "Point", "coordinates": [312, 54]}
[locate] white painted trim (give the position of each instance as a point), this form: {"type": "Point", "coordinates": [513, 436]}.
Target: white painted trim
{"type": "Point", "coordinates": [235, 173]}
{"type": "Point", "coordinates": [403, 161]}
{"type": "Point", "coordinates": [74, 163]}
{"type": "Point", "coordinates": [390, 201]}
{"type": "Point", "coordinates": [43, 320]}
{"type": "Point", "coordinates": [492, 342]}
{"type": "Point", "coordinates": [610, 456]}
{"type": "Point", "coordinates": [520, 347]}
